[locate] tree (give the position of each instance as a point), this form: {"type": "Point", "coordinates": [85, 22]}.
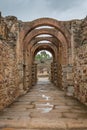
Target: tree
{"type": "Point", "coordinates": [42, 57]}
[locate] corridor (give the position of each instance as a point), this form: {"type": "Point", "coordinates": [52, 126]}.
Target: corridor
{"type": "Point", "coordinates": [44, 107]}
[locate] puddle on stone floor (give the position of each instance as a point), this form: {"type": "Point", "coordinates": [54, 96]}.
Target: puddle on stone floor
{"type": "Point", "coordinates": [45, 108]}
{"type": "Point", "coordinates": [42, 90]}
{"type": "Point", "coordinates": [46, 97]}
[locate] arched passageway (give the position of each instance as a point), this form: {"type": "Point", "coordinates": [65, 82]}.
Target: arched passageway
{"type": "Point", "coordinates": [57, 43]}
{"type": "Point", "coordinates": [20, 69]}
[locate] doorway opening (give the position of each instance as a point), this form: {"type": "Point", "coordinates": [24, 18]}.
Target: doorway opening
{"type": "Point", "coordinates": [43, 59]}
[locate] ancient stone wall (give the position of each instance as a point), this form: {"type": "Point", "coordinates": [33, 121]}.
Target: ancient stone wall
{"type": "Point", "coordinates": [27, 70]}
{"type": "Point", "coordinates": [9, 76]}
{"type": "Point", "coordinates": [80, 74]}
{"type": "Point", "coordinates": [11, 72]}
{"type": "Point", "coordinates": [80, 60]}
{"type": "Point", "coordinates": [3, 30]}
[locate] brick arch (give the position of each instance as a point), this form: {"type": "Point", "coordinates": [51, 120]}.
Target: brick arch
{"type": "Point", "coordinates": [44, 46]}
{"type": "Point", "coordinates": [50, 39]}
{"type": "Point", "coordinates": [55, 33]}
{"type": "Point", "coordinates": [38, 47]}
{"type": "Point", "coordinates": [59, 25]}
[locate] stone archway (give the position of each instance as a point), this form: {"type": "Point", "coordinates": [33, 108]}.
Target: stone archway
{"type": "Point", "coordinates": [58, 39]}
{"type": "Point", "coordinates": [47, 22]}
{"type": "Point", "coordinates": [52, 32]}
{"type": "Point", "coordinates": [42, 47]}
{"type": "Point", "coordinates": [50, 39]}
{"type": "Point", "coordinates": [19, 43]}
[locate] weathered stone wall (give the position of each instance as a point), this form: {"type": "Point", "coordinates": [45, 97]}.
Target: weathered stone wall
{"type": "Point", "coordinates": [11, 69]}
{"type": "Point", "coordinates": [80, 74]}
{"type": "Point", "coordinates": [59, 78]}
{"type": "Point", "coordinates": [80, 59]}
{"type": "Point", "coordinates": [27, 70]}
{"type": "Point", "coordinates": [3, 30]}
{"type": "Point", "coordinates": [65, 79]}
{"type": "Point", "coordinates": [9, 76]}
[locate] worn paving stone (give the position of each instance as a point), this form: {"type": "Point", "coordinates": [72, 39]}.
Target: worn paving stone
{"type": "Point", "coordinates": [44, 108]}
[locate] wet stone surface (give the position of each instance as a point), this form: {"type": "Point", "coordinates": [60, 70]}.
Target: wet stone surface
{"type": "Point", "coordinates": [44, 107]}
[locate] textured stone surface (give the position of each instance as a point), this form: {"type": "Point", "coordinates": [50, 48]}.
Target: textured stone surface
{"type": "Point", "coordinates": [44, 107]}
{"type": "Point", "coordinates": [11, 72]}
{"type": "Point", "coordinates": [80, 74]}
{"type": "Point", "coordinates": [9, 76]}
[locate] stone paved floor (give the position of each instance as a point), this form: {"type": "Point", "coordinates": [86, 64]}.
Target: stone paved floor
{"type": "Point", "coordinates": [44, 108]}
